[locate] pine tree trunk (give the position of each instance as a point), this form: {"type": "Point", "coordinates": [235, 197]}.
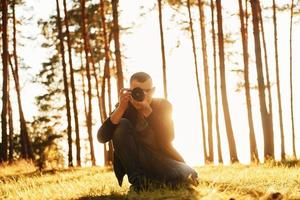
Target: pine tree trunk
{"type": "Point", "coordinates": [268, 132]}
{"type": "Point", "coordinates": [82, 70]}
{"type": "Point", "coordinates": [278, 83]}
{"type": "Point", "coordinates": [5, 81]}
{"type": "Point", "coordinates": [230, 135]}
{"type": "Point", "coordinates": [268, 79]}
{"type": "Point", "coordinates": [162, 49]}
{"type": "Point", "coordinates": [197, 79]}
{"type": "Point", "coordinates": [86, 50]}
{"type": "Point", "coordinates": [10, 123]}
{"type": "Point", "coordinates": [220, 157]}
{"type": "Point", "coordinates": [74, 99]}
{"type": "Point", "coordinates": [244, 34]}
{"type": "Point", "coordinates": [116, 40]}
{"type": "Point", "coordinates": [66, 86]}
{"type": "Point", "coordinates": [291, 80]}
{"type": "Point", "coordinates": [206, 78]}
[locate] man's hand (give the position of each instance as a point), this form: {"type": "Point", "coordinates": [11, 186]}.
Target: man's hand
{"type": "Point", "coordinates": [124, 98]}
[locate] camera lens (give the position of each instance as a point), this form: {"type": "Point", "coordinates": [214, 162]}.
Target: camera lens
{"type": "Point", "coordinates": [138, 94]}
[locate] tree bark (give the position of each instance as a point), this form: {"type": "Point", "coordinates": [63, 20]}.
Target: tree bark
{"type": "Point", "coordinates": [116, 33]}
{"type": "Point", "coordinates": [206, 78]}
{"type": "Point", "coordinates": [162, 49]}
{"type": "Point", "coordinates": [220, 157]}
{"type": "Point", "coordinates": [75, 110]}
{"type": "Point", "coordinates": [197, 79]}
{"type": "Point", "coordinates": [5, 81]}
{"type": "Point", "coordinates": [278, 83]}
{"type": "Point", "coordinates": [230, 135]}
{"type": "Point", "coordinates": [244, 34]}
{"type": "Point", "coordinates": [268, 132]}
{"type": "Point", "coordinates": [291, 80]}
{"type": "Point", "coordinates": [66, 86]}
{"type": "Point", "coordinates": [86, 50]}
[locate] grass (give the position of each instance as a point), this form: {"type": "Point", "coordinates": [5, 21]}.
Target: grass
{"type": "Point", "coordinates": [23, 181]}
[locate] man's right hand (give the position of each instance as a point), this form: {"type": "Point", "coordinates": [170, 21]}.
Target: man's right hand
{"type": "Point", "coordinates": [124, 98]}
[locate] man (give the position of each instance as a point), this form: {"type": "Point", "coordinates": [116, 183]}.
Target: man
{"type": "Point", "coordinates": [142, 132]}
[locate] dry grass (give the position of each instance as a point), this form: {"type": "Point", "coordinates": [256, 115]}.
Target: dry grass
{"type": "Point", "coordinates": [22, 181]}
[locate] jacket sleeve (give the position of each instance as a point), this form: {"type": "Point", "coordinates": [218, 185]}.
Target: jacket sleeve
{"type": "Point", "coordinates": [105, 132]}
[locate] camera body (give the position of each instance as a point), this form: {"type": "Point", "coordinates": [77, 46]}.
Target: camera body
{"type": "Point", "coordinates": [137, 93]}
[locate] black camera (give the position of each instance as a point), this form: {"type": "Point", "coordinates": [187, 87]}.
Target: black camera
{"type": "Point", "coordinates": [137, 93]}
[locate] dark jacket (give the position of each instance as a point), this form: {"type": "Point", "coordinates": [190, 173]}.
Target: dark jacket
{"type": "Point", "coordinates": [160, 120]}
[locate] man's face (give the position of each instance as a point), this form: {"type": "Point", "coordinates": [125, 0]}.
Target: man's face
{"type": "Point", "coordinates": [146, 86]}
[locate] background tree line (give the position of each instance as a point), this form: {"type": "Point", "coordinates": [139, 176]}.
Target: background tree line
{"type": "Point", "coordinates": [87, 61]}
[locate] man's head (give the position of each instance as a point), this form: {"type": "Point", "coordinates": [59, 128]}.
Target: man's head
{"type": "Point", "coordinates": [144, 81]}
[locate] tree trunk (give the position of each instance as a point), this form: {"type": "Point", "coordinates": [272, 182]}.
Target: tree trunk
{"type": "Point", "coordinates": [86, 50]}
{"type": "Point", "coordinates": [230, 135]}
{"type": "Point", "coordinates": [220, 157]}
{"type": "Point", "coordinates": [244, 34]}
{"type": "Point", "coordinates": [278, 83]}
{"type": "Point", "coordinates": [10, 123]}
{"type": "Point", "coordinates": [268, 132]}
{"type": "Point", "coordinates": [5, 81]}
{"type": "Point", "coordinates": [291, 80]}
{"type": "Point", "coordinates": [197, 79]}
{"type": "Point", "coordinates": [83, 85]}
{"type": "Point", "coordinates": [206, 78]}
{"type": "Point", "coordinates": [75, 110]}
{"type": "Point", "coordinates": [268, 79]}
{"type": "Point", "coordinates": [66, 86]}
{"type": "Point", "coordinates": [116, 39]}
{"type": "Point", "coordinates": [162, 49]}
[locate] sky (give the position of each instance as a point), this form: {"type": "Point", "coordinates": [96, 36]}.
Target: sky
{"type": "Point", "coordinates": [142, 49]}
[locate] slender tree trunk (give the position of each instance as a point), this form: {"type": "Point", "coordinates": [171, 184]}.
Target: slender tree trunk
{"type": "Point", "coordinates": [75, 110]}
{"type": "Point", "coordinates": [10, 123]}
{"type": "Point", "coordinates": [66, 86]}
{"type": "Point", "coordinates": [230, 135]}
{"type": "Point", "coordinates": [244, 34]}
{"type": "Point", "coordinates": [197, 79]}
{"type": "Point", "coordinates": [5, 81]}
{"type": "Point", "coordinates": [278, 83]}
{"type": "Point", "coordinates": [116, 39]}
{"type": "Point", "coordinates": [206, 78]}
{"type": "Point", "coordinates": [268, 80]}
{"type": "Point", "coordinates": [216, 82]}
{"type": "Point", "coordinates": [162, 49]}
{"type": "Point", "coordinates": [86, 50]}
{"type": "Point", "coordinates": [268, 132]}
{"type": "Point", "coordinates": [291, 79]}
{"type": "Point", "coordinates": [83, 85]}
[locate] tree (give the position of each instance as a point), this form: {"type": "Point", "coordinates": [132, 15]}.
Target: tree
{"type": "Point", "coordinates": [230, 135]}
{"type": "Point", "coordinates": [291, 80]}
{"type": "Point", "coordinates": [197, 78]}
{"type": "Point", "coordinates": [268, 132]}
{"type": "Point", "coordinates": [86, 50]}
{"type": "Point", "coordinates": [220, 157]}
{"type": "Point", "coordinates": [206, 78]}
{"type": "Point", "coordinates": [116, 40]}
{"type": "Point", "coordinates": [244, 34]}
{"type": "Point", "coordinates": [66, 85]}
{"type": "Point", "coordinates": [5, 81]}
{"type": "Point", "coordinates": [73, 90]}
{"type": "Point", "coordinates": [278, 82]}
{"type": "Point", "coordinates": [162, 48]}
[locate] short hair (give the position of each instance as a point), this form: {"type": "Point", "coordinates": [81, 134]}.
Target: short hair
{"type": "Point", "coordinates": [140, 77]}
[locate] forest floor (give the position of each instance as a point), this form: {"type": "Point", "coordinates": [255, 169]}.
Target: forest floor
{"type": "Point", "coordinates": [23, 181]}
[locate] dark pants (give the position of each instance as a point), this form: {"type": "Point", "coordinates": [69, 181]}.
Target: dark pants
{"type": "Point", "coordinates": [143, 162]}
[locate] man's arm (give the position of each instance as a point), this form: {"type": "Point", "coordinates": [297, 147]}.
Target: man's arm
{"type": "Point", "coordinates": [105, 132]}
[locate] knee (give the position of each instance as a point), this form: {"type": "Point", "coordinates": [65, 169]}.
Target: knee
{"type": "Point", "coordinates": [123, 129]}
